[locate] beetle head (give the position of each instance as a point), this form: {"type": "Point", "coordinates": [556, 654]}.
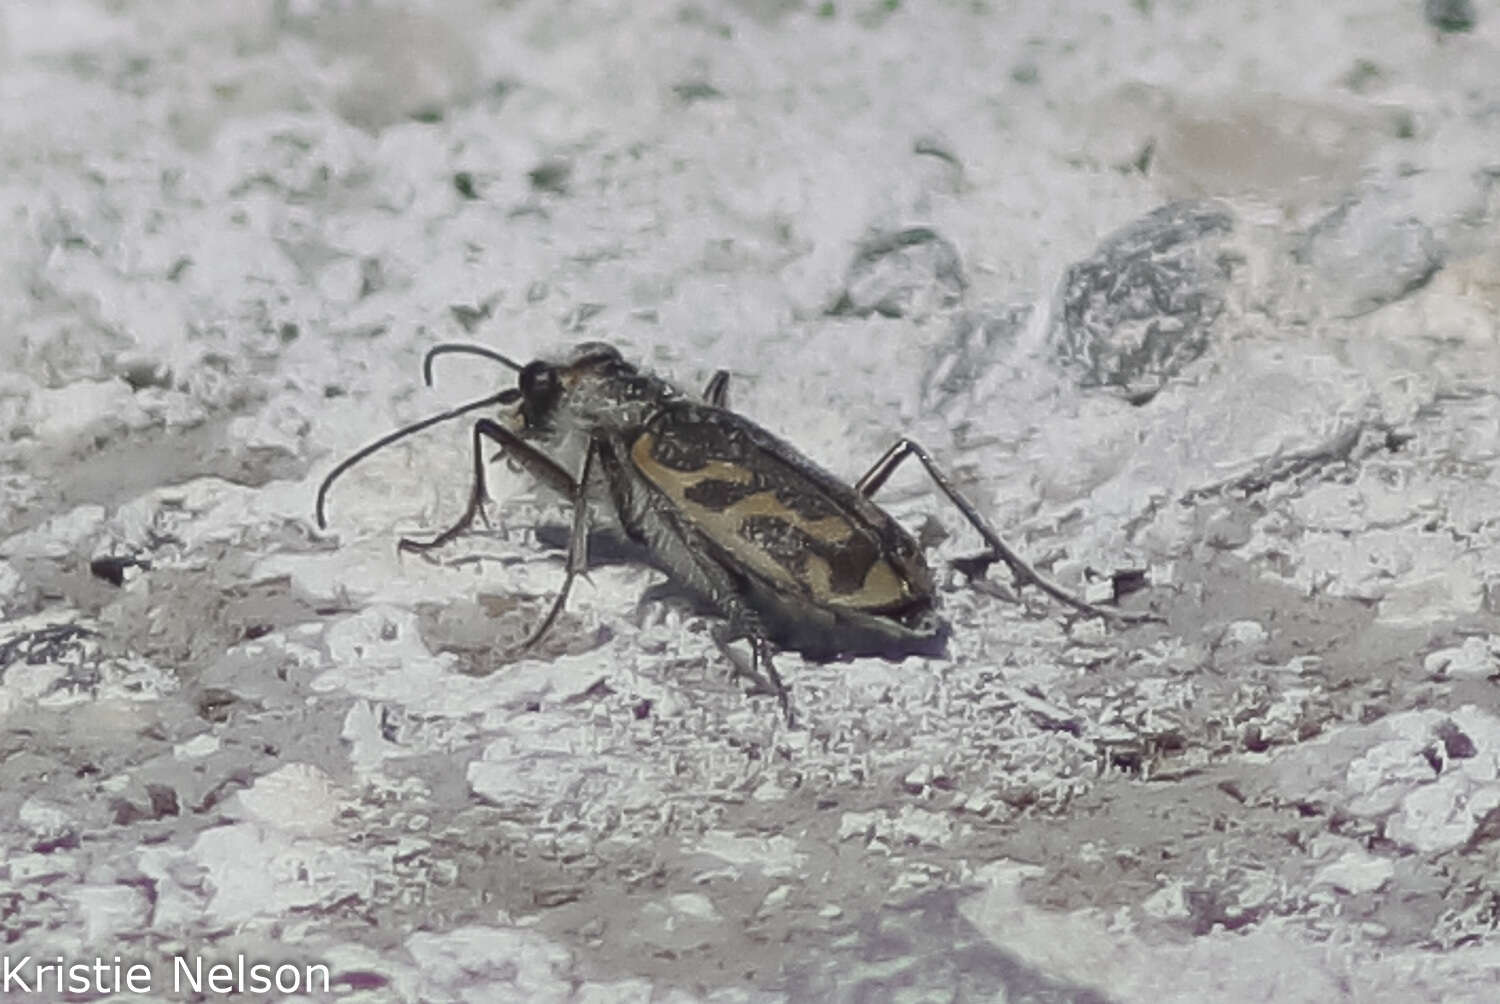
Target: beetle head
{"type": "Point", "coordinates": [593, 388]}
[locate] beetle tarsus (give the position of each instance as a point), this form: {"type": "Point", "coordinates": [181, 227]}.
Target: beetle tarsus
{"type": "Point", "coordinates": [475, 508]}
{"type": "Point", "coordinates": [761, 651]}
{"type": "Point", "coordinates": [540, 632]}
{"type": "Point", "coordinates": [770, 683]}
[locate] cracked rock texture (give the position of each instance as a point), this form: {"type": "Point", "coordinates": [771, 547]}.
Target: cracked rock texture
{"type": "Point", "coordinates": [1198, 301]}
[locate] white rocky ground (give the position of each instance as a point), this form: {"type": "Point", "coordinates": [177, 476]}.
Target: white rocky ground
{"type": "Point", "coordinates": [232, 227]}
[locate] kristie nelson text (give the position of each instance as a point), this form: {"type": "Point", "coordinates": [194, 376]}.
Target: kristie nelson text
{"type": "Point", "coordinates": [189, 974]}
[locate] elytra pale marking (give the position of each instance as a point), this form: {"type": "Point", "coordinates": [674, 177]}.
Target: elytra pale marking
{"type": "Point", "coordinates": [802, 557]}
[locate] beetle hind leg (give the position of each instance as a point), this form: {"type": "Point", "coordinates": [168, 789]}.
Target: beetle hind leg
{"type": "Point", "coordinates": [1020, 569]}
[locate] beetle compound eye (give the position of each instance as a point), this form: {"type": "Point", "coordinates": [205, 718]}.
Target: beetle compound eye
{"type": "Point", "coordinates": [539, 391]}
{"type": "Point", "coordinates": [530, 374]}
{"type": "Point", "coordinates": [539, 384]}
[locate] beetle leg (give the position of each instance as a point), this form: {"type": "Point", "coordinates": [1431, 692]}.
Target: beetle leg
{"type": "Point", "coordinates": [503, 397]}
{"type": "Point", "coordinates": [724, 636]}
{"type": "Point", "coordinates": [478, 496]}
{"type": "Point", "coordinates": [760, 655]}
{"type": "Point", "coordinates": [1020, 569]}
{"type": "Point", "coordinates": [742, 622]}
{"type": "Point", "coordinates": [760, 651]}
{"type": "Point", "coordinates": [578, 549]}
{"type": "Point", "coordinates": [541, 466]}
{"type": "Point", "coordinates": [704, 579]}
{"type": "Point", "coordinates": [717, 391]}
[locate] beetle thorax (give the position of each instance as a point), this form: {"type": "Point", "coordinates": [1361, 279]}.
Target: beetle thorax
{"type": "Point", "coordinates": [611, 397]}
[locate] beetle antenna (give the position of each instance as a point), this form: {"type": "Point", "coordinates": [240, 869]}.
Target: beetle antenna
{"type": "Point", "coordinates": [465, 349]}
{"type": "Point", "coordinates": [506, 396]}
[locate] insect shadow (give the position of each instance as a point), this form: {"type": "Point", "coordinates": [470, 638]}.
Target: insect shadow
{"type": "Point", "coordinates": [786, 554]}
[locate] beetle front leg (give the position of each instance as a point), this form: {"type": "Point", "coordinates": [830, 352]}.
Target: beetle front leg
{"type": "Point", "coordinates": [578, 549]}
{"type": "Point", "coordinates": [1020, 569]}
{"type": "Point", "coordinates": [541, 466]}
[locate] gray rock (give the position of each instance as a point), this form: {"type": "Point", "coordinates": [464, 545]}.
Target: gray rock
{"type": "Point", "coordinates": [1449, 15]}
{"type": "Point", "coordinates": [977, 339]}
{"type": "Point", "coordinates": [1476, 659]}
{"type": "Point", "coordinates": [1370, 251]}
{"type": "Point", "coordinates": [1142, 306]}
{"type": "Point", "coordinates": [902, 273]}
